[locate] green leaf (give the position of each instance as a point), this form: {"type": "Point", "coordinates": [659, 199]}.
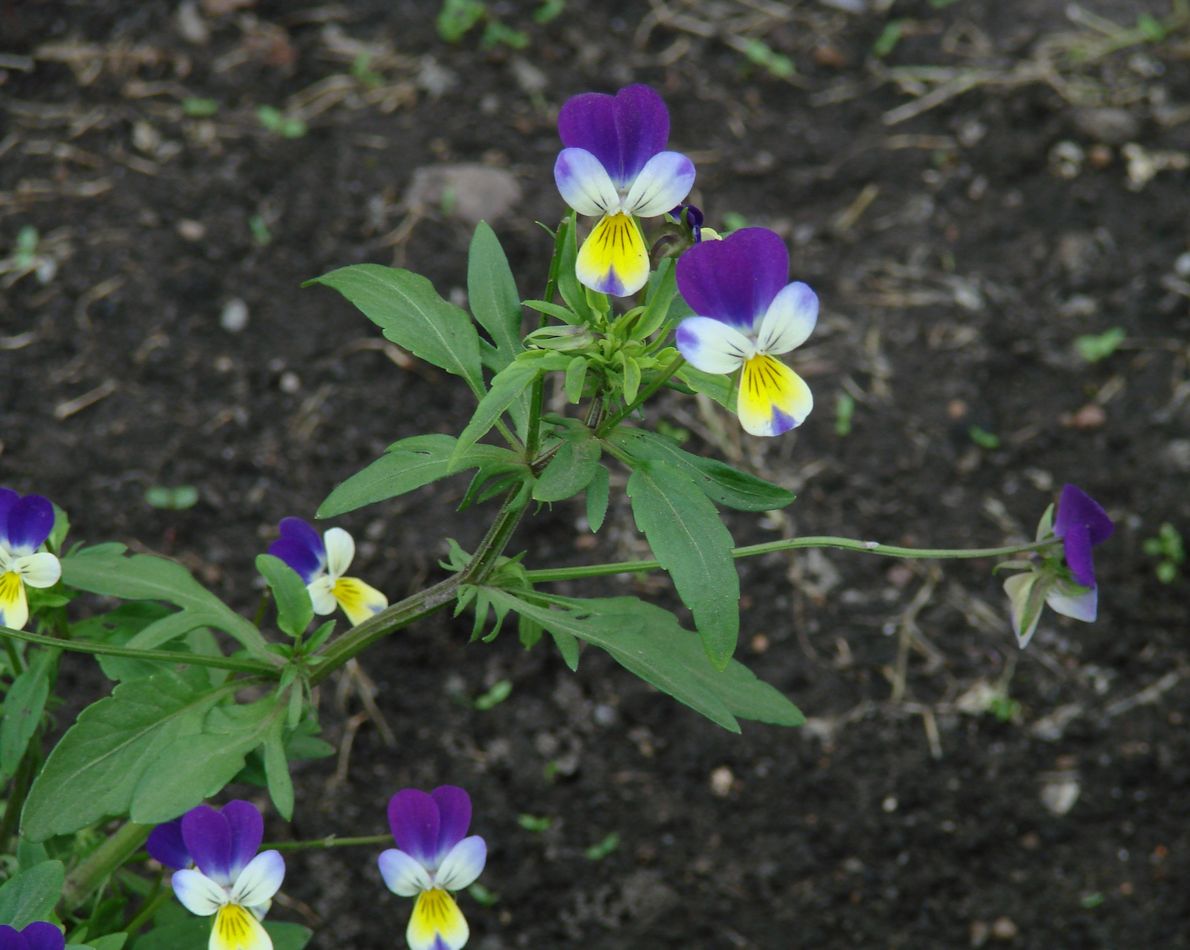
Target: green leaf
{"type": "Point", "coordinates": [720, 482]}
{"type": "Point", "coordinates": [1099, 346]}
{"type": "Point", "coordinates": [107, 761]}
{"type": "Point", "coordinates": [411, 314]}
{"type": "Point", "coordinates": [597, 496]}
{"type": "Point", "coordinates": [631, 377]}
{"type": "Point", "coordinates": [569, 471]}
{"type": "Point", "coordinates": [143, 577]}
{"type": "Point", "coordinates": [405, 466]}
{"type": "Point", "coordinates": [288, 936]}
{"type": "Point", "coordinates": [295, 610]}
{"type": "Point", "coordinates": [649, 642]}
{"type": "Point", "coordinates": [576, 379]}
{"type": "Point", "coordinates": [192, 933]}
{"type": "Point", "coordinates": [492, 294]}
{"type": "Point", "coordinates": [507, 386]}
{"type": "Point", "coordinates": [574, 293]}
{"type": "Point", "coordinates": [687, 537]}
{"type": "Point", "coordinates": [276, 768]}
{"type": "Point", "coordinates": [31, 895]}
{"type": "Point", "coordinates": [720, 388]}
{"type": "Point", "coordinates": [24, 704]}
{"type": "Point", "coordinates": [108, 942]}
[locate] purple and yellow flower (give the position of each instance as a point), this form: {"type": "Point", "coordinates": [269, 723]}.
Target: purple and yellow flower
{"type": "Point", "coordinates": [1067, 585]}
{"type": "Point", "coordinates": [746, 315]}
{"type": "Point", "coordinates": [434, 856]}
{"type": "Point", "coordinates": [38, 935]}
{"type": "Point", "coordinates": [25, 523]}
{"type": "Point", "coordinates": [228, 879]}
{"type": "Point", "coordinates": [322, 563]}
{"type": "Point", "coordinates": [615, 165]}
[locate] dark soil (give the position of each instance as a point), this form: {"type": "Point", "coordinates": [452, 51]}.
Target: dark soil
{"type": "Point", "coordinates": [960, 244]}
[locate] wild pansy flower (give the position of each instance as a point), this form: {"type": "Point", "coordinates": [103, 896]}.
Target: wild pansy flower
{"type": "Point", "coordinates": [1068, 584]}
{"type": "Point", "coordinates": [25, 523]}
{"type": "Point", "coordinates": [229, 880]}
{"type": "Point", "coordinates": [615, 165]}
{"type": "Point", "coordinates": [321, 562]}
{"type": "Point", "coordinates": [747, 314]}
{"type": "Point", "coordinates": [38, 935]}
{"type": "Point", "coordinates": [433, 857]}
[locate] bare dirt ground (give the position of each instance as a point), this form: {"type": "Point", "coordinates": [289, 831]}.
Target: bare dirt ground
{"type": "Point", "coordinates": [970, 187]}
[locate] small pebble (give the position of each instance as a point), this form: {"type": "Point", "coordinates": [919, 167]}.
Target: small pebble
{"type": "Point", "coordinates": [721, 781]}
{"type": "Point", "coordinates": [1004, 929]}
{"type": "Point", "coordinates": [234, 317]}
{"type": "Point", "coordinates": [290, 382]}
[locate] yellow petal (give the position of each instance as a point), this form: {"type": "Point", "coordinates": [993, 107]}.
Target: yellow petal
{"type": "Point", "coordinates": [14, 609]}
{"type": "Point", "coordinates": [613, 258]}
{"type": "Point", "coordinates": [358, 600]}
{"type": "Point", "coordinates": [237, 929]}
{"type": "Point", "coordinates": [436, 915]}
{"type": "Point", "coordinates": [773, 398]}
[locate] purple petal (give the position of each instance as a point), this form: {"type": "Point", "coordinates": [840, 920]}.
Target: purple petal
{"type": "Point", "coordinates": [415, 823]}
{"type": "Point", "coordinates": [247, 829]}
{"type": "Point", "coordinates": [301, 547]}
{"type": "Point", "coordinates": [8, 498]}
{"type": "Point", "coordinates": [167, 846]}
{"type": "Point", "coordinates": [41, 935]}
{"type": "Point", "coordinates": [734, 280]}
{"type": "Point", "coordinates": [1081, 524]}
{"type": "Point", "coordinates": [208, 839]}
{"type": "Point", "coordinates": [623, 131]}
{"type": "Point", "coordinates": [30, 522]}
{"type": "Point", "coordinates": [11, 939]}
{"type": "Point", "coordinates": [454, 816]}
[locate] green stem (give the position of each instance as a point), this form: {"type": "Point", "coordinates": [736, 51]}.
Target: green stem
{"type": "Point", "coordinates": [548, 575]}
{"type": "Point", "coordinates": [330, 841]}
{"type": "Point", "coordinates": [148, 909]}
{"type": "Point", "coordinates": [614, 420]}
{"type": "Point", "coordinates": [537, 392]}
{"type": "Point", "coordinates": [156, 656]}
{"type": "Point", "coordinates": [101, 863]}
{"type": "Point", "coordinates": [423, 603]}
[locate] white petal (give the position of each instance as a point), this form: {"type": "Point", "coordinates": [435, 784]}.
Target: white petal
{"type": "Point", "coordinates": [340, 549]}
{"type": "Point", "coordinates": [14, 607]}
{"type": "Point", "coordinates": [403, 874]}
{"type": "Point", "coordinates": [661, 185]}
{"type": "Point", "coordinates": [198, 893]}
{"type": "Point", "coordinates": [321, 595]}
{"type": "Point", "coordinates": [38, 570]}
{"type": "Point", "coordinates": [1073, 600]}
{"type": "Point", "coordinates": [712, 345]}
{"type": "Point", "coordinates": [260, 879]}
{"type": "Point", "coordinates": [462, 864]}
{"type": "Point", "coordinates": [585, 184]}
{"type": "Point", "coordinates": [789, 320]}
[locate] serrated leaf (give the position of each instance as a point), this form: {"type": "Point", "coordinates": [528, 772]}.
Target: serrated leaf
{"type": "Point", "coordinates": [24, 704]}
{"type": "Point", "coordinates": [295, 610]}
{"type": "Point", "coordinates": [405, 466]}
{"type": "Point", "coordinates": [692, 545]}
{"type": "Point", "coordinates": [492, 294]}
{"type": "Point", "coordinates": [597, 497]}
{"type": "Point", "coordinates": [649, 642]}
{"type": "Point", "coordinates": [107, 758]}
{"type": "Point", "coordinates": [410, 313]}
{"type": "Point", "coordinates": [720, 482]}
{"type": "Point", "coordinates": [142, 577]}
{"type": "Point", "coordinates": [121, 626]}
{"type": "Point", "coordinates": [31, 895]}
{"type": "Point", "coordinates": [569, 471]}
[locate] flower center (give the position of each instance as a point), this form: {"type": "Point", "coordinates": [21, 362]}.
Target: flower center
{"type": "Point", "coordinates": [233, 925]}
{"type": "Point", "coordinates": [10, 586]}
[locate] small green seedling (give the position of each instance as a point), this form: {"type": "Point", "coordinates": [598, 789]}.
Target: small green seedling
{"type": "Point", "coordinates": [1099, 346]}
{"type": "Point", "coordinates": [277, 122]}
{"type": "Point", "coordinates": [1170, 551]}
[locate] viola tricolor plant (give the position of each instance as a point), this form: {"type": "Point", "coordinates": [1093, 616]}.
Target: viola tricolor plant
{"type": "Point", "coordinates": [433, 857]}
{"type": "Point", "coordinates": [322, 563]}
{"type": "Point", "coordinates": [564, 413]}
{"type": "Point", "coordinates": [221, 875]}
{"type": "Point", "coordinates": [25, 523]}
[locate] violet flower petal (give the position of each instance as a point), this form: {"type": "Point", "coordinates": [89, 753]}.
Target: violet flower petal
{"type": "Point", "coordinates": [415, 822]}
{"type": "Point", "coordinates": [246, 826]}
{"type": "Point", "coordinates": [167, 846]}
{"type": "Point", "coordinates": [301, 547]}
{"type": "Point", "coordinates": [30, 522]}
{"type": "Point", "coordinates": [209, 841]}
{"type": "Point", "coordinates": [41, 935]}
{"type": "Point", "coordinates": [8, 498]}
{"type": "Point", "coordinates": [623, 131]}
{"type": "Point", "coordinates": [11, 939]}
{"type": "Point", "coordinates": [454, 816]}
{"type": "Point", "coordinates": [1081, 524]}
{"type": "Point", "coordinates": [734, 280]}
